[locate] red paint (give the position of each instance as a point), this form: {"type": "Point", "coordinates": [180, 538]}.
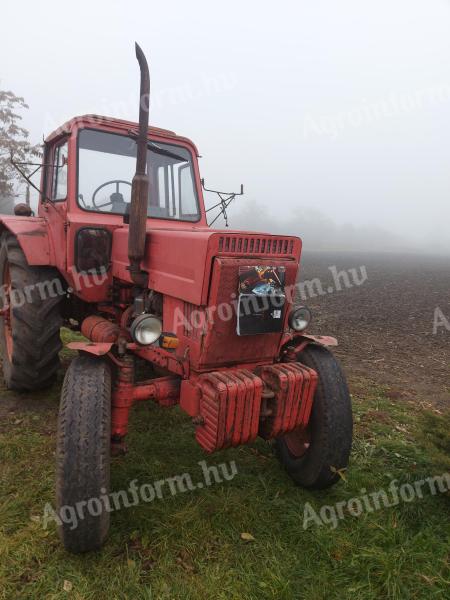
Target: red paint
{"type": "Point", "coordinates": [164, 390]}
{"type": "Point", "coordinates": [296, 342]}
{"type": "Point", "coordinates": [33, 236]}
{"type": "Point", "coordinates": [229, 409]}
{"type": "Point", "coordinates": [99, 329]}
{"type": "Point", "coordinates": [298, 441]}
{"type": "Point", "coordinates": [293, 385]}
{"type": "Point", "coordinates": [220, 345]}
{"type": "Point", "coordinates": [95, 348]}
{"type": "Point", "coordinates": [234, 386]}
{"type": "Point", "coordinates": [190, 395]}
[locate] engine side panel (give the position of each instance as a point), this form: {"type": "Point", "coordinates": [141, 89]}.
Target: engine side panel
{"type": "Point", "coordinates": [180, 260]}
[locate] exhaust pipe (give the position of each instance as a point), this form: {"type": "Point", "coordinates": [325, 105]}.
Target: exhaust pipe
{"type": "Point", "coordinates": [140, 183]}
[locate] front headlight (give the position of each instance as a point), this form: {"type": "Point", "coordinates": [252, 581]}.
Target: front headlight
{"type": "Point", "coordinates": [300, 318]}
{"type": "Point", "coordinates": [146, 329]}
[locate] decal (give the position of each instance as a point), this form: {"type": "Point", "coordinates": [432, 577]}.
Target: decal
{"type": "Point", "coordinates": [261, 300]}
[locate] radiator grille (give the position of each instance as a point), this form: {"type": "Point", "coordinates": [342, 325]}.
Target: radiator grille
{"type": "Point", "coordinates": [256, 246]}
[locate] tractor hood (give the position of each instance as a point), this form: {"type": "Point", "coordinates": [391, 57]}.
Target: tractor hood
{"type": "Point", "coordinates": [179, 261]}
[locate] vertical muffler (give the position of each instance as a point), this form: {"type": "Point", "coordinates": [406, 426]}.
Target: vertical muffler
{"type": "Point", "coordinates": [140, 183]}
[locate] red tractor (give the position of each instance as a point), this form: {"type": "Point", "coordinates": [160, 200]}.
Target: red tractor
{"type": "Point", "coordinates": [121, 250]}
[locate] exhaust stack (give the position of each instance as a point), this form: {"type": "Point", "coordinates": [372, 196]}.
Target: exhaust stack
{"type": "Point", "coordinates": [140, 183]}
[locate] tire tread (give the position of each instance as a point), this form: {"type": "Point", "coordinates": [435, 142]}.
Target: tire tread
{"type": "Point", "coordinates": [83, 448]}
{"type": "Point", "coordinates": [36, 324]}
{"type": "Point", "coordinates": [331, 423]}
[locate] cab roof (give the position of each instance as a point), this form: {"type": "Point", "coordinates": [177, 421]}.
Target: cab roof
{"type": "Point", "coordinates": [105, 123]}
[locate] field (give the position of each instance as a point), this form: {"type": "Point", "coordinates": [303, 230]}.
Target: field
{"type": "Point", "coordinates": [385, 325]}
{"type": "Point", "coordinates": [190, 545]}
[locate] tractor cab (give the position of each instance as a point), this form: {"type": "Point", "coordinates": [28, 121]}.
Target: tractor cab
{"type": "Point", "coordinates": [86, 191]}
{"type": "Point", "coordinates": [91, 162]}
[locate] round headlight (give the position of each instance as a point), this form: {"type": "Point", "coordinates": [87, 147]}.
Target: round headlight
{"type": "Point", "coordinates": [146, 329]}
{"type": "Point", "coordinates": [300, 318]}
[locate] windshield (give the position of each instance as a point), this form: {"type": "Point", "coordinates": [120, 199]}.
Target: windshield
{"type": "Point", "coordinates": [106, 166]}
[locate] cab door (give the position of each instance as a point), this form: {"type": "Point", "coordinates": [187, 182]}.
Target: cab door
{"type": "Point", "coordinates": [53, 200]}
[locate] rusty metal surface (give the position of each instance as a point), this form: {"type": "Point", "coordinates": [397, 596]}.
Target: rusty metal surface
{"type": "Point", "coordinates": [140, 183]}
{"type": "Point", "coordinates": [33, 236]}
{"type": "Point", "coordinates": [323, 340]}
{"type": "Point", "coordinates": [99, 329]}
{"type": "Point", "coordinates": [229, 409]}
{"type": "Point", "coordinates": [165, 359]}
{"type": "Point", "coordinates": [298, 441]}
{"type": "Point", "coordinates": [164, 390]}
{"type": "Point", "coordinates": [252, 244]}
{"type": "Point", "coordinates": [294, 386]}
{"type": "Point", "coordinates": [95, 348]}
{"type": "Point", "coordinates": [122, 397]}
{"type": "Point", "coordinates": [299, 341]}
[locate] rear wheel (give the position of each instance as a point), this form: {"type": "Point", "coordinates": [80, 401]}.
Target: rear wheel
{"type": "Point", "coordinates": [30, 319]}
{"type": "Point", "coordinates": [314, 457]}
{"type": "Point", "coordinates": [83, 454]}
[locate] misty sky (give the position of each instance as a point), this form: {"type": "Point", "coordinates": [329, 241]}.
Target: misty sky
{"type": "Point", "coordinates": [340, 106]}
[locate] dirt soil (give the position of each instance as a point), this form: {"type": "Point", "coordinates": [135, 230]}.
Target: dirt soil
{"type": "Point", "coordinates": [385, 324]}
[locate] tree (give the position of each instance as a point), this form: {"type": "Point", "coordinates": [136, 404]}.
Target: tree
{"type": "Point", "coordinates": [14, 139]}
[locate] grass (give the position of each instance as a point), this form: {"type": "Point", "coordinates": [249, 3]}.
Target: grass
{"type": "Point", "coordinates": [189, 546]}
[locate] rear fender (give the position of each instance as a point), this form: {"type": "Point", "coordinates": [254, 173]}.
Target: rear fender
{"type": "Point", "coordinates": [32, 235]}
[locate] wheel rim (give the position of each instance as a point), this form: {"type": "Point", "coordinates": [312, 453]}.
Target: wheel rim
{"type": "Point", "coordinates": [298, 441]}
{"type": "Point", "coordinates": [6, 311]}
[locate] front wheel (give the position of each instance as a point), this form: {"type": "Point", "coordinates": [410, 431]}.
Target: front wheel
{"type": "Point", "coordinates": [314, 457]}
{"type": "Point", "coordinates": [83, 454]}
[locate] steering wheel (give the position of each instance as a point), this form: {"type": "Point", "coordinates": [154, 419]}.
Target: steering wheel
{"type": "Point", "coordinates": [110, 202]}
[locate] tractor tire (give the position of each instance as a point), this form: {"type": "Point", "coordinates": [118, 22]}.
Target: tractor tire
{"type": "Point", "coordinates": [83, 454]}
{"type": "Point", "coordinates": [314, 458]}
{"type": "Point", "coordinates": [30, 321]}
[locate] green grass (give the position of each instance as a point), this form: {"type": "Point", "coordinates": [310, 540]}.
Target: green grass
{"type": "Point", "coordinates": [188, 546]}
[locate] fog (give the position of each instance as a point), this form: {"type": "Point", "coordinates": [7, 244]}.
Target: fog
{"type": "Point", "coordinates": [334, 115]}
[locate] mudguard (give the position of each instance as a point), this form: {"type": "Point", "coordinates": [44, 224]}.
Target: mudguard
{"type": "Point", "coordinates": [299, 341]}
{"type": "Point", "coordinates": [95, 348]}
{"type": "Point", "coordinates": [32, 235]}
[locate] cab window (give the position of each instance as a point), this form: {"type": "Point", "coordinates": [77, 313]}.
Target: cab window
{"type": "Point", "coordinates": [106, 166]}
{"type": "Point", "coordinates": [59, 188]}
